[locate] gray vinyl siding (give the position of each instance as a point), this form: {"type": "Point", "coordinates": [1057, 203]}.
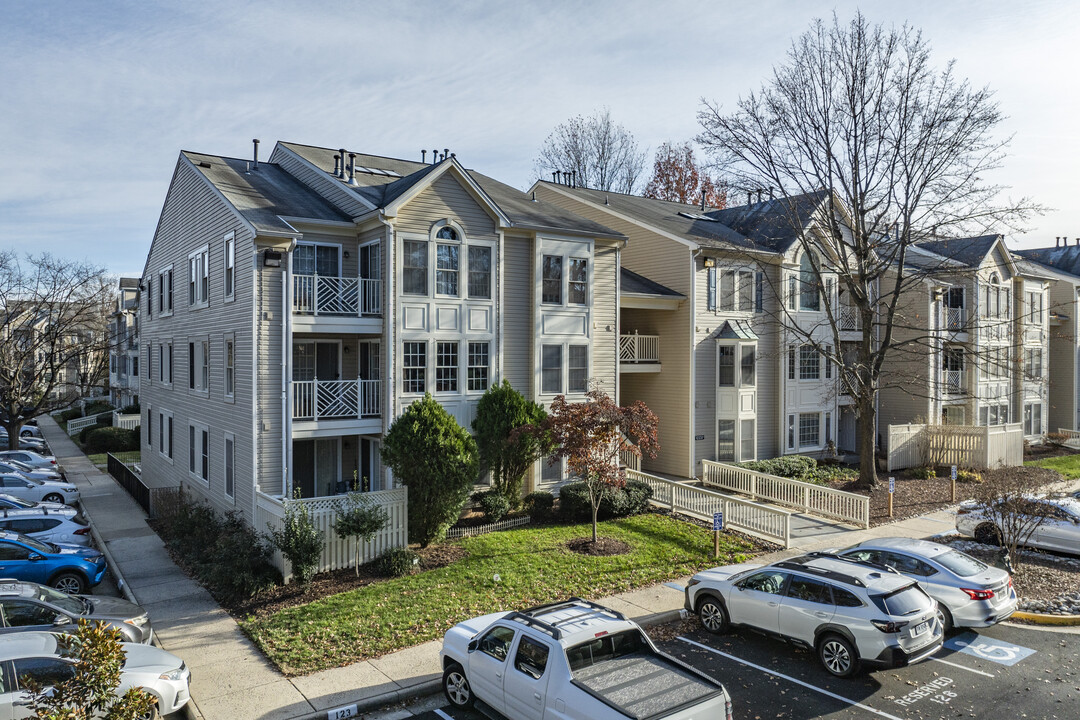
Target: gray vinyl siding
{"type": "Point", "coordinates": [269, 425]}
{"type": "Point", "coordinates": [605, 315]}
{"type": "Point", "coordinates": [445, 199]}
{"type": "Point", "coordinates": [193, 216]}
{"type": "Point", "coordinates": [517, 309]}
{"type": "Point", "coordinates": [322, 183]}
{"type": "Point", "coordinates": [1062, 357]}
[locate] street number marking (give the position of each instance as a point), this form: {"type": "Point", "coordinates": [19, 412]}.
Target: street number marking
{"type": "Point", "coordinates": [341, 713]}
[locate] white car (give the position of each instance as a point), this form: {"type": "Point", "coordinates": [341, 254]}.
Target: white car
{"type": "Point", "coordinates": [1059, 530]}
{"type": "Point", "coordinates": [30, 458]}
{"type": "Point", "coordinates": [35, 655]}
{"type": "Point", "coordinates": [33, 490]}
{"type": "Point", "coordinates": [14, 466]}
{"type": "Point", "coordinates": [46, 526]}
{"type": "Point", "coordinates": [10, 502]}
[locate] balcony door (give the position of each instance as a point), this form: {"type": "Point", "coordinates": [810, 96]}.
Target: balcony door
{"type": "Point", "coordinates": [316, 360]}
{"type": "Point", "coordinates": [322, 260]}
{"type": "Point", "coordinates": [316, 466]}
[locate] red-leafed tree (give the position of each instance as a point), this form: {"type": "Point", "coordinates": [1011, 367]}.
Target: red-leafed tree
{"type": "Point", "coordinates": [592, 434]}
{"type": "Point", "coordinates": [677, 178]}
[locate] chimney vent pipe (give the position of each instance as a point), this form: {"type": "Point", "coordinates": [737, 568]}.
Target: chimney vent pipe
{"type": "Point", "coordinates": [337, 160]}
{"type": "Point", "coordinates": [352, 169]}
{"type": "Point", "coordinates": [703, 199]}
{"type": "Point", "coordinates": [749, 197]}
{"type": "Point", "coordinates": [557, 174]}
{"type": "Point", "coordinates": [423, 156]}
{"type": "Point", "coordinates": [445, 153]}
{"type": "Point", "coordinates": [255, 142]}
{"type": "Point", "coordinates": [342, 173]}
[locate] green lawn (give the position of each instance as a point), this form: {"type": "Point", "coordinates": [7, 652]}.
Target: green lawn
{"type": "Point", "coordinates": [1067, 465]}
{"type": "Point", "coordinates": [127, 457]}
{"type": "Point", "coordinates": [533, 567]}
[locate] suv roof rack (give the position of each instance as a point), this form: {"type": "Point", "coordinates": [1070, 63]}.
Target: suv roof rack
{"type": "Point", "coordinates": [529, 616]}
{"type": "Point", "coordinates": [853, 561]}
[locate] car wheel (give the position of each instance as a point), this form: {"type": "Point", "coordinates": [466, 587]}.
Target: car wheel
{"type": "Point", "coordinates": [713, 615]}
{"type": "Point", "coordinates": [53, 498]}
{"type": "Point", "coordinates": [71, 583]}
{"type": "Point", "coordinates": [456, 687]}
{"type": "Point", "coordinates": [987, 534]}
{"type": "Point", "coordinates": [945, 618]}
{"type": "Point", "coordinates": [837, 655]}
{"type": "Point", "coordinates": [151, 714]}
{"type": "Point", "coordinates": [25, 433]}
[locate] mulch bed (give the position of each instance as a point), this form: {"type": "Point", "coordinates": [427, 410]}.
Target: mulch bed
{"type": "Point", "coordinates": [1046, 450]}
{"type": "Point", "coordinates": [916, 496]}
{"type": "Point", "coordinates": [603, 547]}
{"type": "Point", "coordinates": [337, 581]}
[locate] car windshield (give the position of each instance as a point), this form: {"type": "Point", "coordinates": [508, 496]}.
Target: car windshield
{"type": "Point", "coordinates": [604, 648]}
{"type": "Point", "coordinates": [960, 563]}
{"type": "Point", "coordinates": [17, 502]}
{"type": "Point", "coordinates": [908, 600]}
{"type": "Point", "coordinates": [67, 603]}
{"type": "Point", "coordinates": [41, 547]}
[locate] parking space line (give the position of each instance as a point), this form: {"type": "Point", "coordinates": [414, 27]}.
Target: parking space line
{"type": "Point", "coordinates": [806, 685]}
{"type": "Point", "coordinates": [973, 670]}
{"type": "Point", "coordinates": [444, 716]}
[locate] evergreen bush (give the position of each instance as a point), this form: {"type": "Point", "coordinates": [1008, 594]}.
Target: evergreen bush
{"type": "Point", "coordinates": [540, 506]}
{"type": "Point", "coordinates": [397, 562]}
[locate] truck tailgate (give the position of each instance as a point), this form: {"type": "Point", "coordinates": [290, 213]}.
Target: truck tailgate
{"type": "Point", "coordinates": [646, 686]}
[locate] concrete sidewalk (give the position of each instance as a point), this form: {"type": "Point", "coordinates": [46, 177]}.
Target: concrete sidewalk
{"type": "Point", "coordinates": [232, 680]}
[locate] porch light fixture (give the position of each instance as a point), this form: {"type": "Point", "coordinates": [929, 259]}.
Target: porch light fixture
{"type": "Point", "coordinates": [271, 258]}
{"type": "Point", "coordinates": [709, 262]}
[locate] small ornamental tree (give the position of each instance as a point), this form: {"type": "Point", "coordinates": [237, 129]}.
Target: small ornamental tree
{"type": "Point", "coordinates": [1006, 501]}
{"type": "Point", "coordinates": [298, 540]}
{"type": "Point", "coordinates": [90, 691]}
{"type": "Point", "coordinates": [592, 434]}
{"type": "Point", "coordinates": [507, 454]}
{"type": "Point", "coordinates": [359, 518]}
{"type": "Point", "coordinates": [436, 459]}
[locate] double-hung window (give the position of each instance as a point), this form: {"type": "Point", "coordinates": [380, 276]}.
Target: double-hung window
{"type": "Point", "coordinates": [551, 369]}
{"type": "Point", "coordinates": [479, 364]}
{"type": "Point", "coordinates": [551, 286]}
{"type": "Point", "coordinates": [165, 362]}
{"type": "Point", "coordinates": [414, 269]}
{"type": "Point", "coordinates": [199, 278]}
{"type": "Point", "coordinates": [809, 430]}
{"type": "Point", "coordinates": [414, 367]}
{"type": "Point", "coordinates": [230, 366]}
{"type": "Point", "coordinates": [230, 266]}
{"type": "Point", "coordinates": [748, 366]}
{"type": "Point", "coordinates": [480, 272]}
{"type": "Point", "coordinates": [446, 367]}
{"type": "Point", "coordinates": [165, 291]}
{"type": "Point", "coordinates": [199, 365]}
{"type": "Point", "coordinates": [1033, 362]}
{"type": "Point", "coordinates": [577, 380]}
{"type": "Point", "coordinates": [446, 269]}
{"type": "Point", "coordinates": [229, 465]}
{"type": "Point", "coordinates": [199, 452]}
{"type": "Point", "coordinates": [809, 363]}
{"type": "Point", "coordinates": [725, 366]}
{"type": "Point", "coordinates": [578, 282]}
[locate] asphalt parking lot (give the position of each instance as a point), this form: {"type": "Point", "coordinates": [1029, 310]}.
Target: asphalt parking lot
{"type": "Point", "coordinates": [1008, 671]}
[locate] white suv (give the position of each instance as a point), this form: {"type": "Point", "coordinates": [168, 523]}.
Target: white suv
{"type": "Point", "coordinates": [847, 611]}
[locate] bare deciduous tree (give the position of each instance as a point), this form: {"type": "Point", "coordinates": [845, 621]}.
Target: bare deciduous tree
{"type": "Point", "coordinates": [900, 151]}
{"type": "Point", "coordinates": [1012, 514]}
{"type": "Point", "coordinates": [54, 339]}
{"type": "Point", "coordinates": [594, 152]}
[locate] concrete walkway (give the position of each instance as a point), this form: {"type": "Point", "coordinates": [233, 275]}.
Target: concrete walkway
{"type": "Point", "coordinates": [231, 680]}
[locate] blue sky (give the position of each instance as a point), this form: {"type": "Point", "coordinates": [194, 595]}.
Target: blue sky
{"type": "Point", "coordinates": [99, 98]}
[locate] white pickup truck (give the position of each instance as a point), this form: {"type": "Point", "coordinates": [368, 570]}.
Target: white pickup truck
{"type": "Point", "coordinates": [572, 660]}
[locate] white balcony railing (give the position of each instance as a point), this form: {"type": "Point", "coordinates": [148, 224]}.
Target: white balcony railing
{"type": "Point", "coordinates": [954, 382]}
{"type": "Point", "coordinates": [335, 399]}
{"type": "Point", "coordinates": [639, 348]}
{"type": "Point", "coordinates": [330, 295]}
{"type": "Point", "coordinates": [953, 318]}
{"type": "Point", "coordinates": [849, 318]}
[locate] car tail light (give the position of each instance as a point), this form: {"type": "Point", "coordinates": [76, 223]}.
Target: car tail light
{"type": "Point", "coordinates": [887, 626]}
{"type": "Point", "coordinates": [980, 594]}
{"type": "Point", "coordinates": [727, 709]}
{"type": "Point", "coordinates": [964, 511]}
{"type": "Point", "coordinates": [82, 531]}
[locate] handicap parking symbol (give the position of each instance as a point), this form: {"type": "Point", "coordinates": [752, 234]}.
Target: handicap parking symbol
{"type": "Point", "coordinates": [986, 648]}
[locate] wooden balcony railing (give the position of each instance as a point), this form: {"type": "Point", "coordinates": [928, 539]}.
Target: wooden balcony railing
{"type": "Point", "coordinates": [330, 295]}
{"type": "Point", "coordinates": [335, 399]}
{"type": "Point", "coordinates": [639, 348]}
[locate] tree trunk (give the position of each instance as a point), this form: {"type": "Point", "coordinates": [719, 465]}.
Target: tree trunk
{"type": "Point", "coordinates": [595, 512]}
{"type": "Point", "coordinates": [867, 442]}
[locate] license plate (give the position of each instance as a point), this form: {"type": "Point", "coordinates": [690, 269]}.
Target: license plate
{"type": "Point", "coordinates": [920, 629]}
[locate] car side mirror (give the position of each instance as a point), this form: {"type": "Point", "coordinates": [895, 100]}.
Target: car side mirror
{"type": "Point", "coordinates": [61, 620]}
{"type": "Point", "coordinates": [473, 644]}
{"type": "Point", "coordinates": [34, 557]}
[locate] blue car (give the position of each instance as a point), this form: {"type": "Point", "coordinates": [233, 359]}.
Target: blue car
{"type": "Point", "coordinates": [69, 568]}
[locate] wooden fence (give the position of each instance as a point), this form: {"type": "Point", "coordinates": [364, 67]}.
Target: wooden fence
{"type": "Point", "coordinates": [338, 553]}
{"type": "Point", "coordinates": [970, 446]}
{"type": "Point", "coordinates": [808, 497]}
{"type": "Point", "coordinates": [767, 523]}
{"type": "Point", "coordinates": [463, 532]}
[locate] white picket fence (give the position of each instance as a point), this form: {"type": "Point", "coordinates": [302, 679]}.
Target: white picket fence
{"type": "Point", "coordinates": [464, 532]}
{"type": "Point", "coordinates": [129, 421]}
{"type": "Point", "coordinates": [767, 523]}
{"type": "Point", "coordinates": [808, 497]}
{"type": "Point", "coordinates": [1072, 437]}
{"type": "Point", "coordinates": [338, 553]}
{"type": "Point", "coordinates": [77, 425]}
{"type": "Point", "coordinates": [970, 446]}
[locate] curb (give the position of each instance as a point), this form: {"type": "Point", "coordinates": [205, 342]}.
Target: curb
{"type": "Point", "coordinates": [434, 687]}
{"type": "Point", "coordinates": [1043, 619]}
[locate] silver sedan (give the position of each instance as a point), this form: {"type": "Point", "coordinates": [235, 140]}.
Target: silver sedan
{"type": "Point", "coordinates": [1059, 529]}
{"type": "Point", "coordinates": [969, 592]}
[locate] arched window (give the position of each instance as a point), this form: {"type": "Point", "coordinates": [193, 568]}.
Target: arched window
{"type": "Point", "coordinates": [809, 297]}
{"type": "Point", "coordinates": [446, 233]}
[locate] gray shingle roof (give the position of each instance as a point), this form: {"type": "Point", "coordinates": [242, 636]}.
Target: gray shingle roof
{"type": "Point", "coordinates": [1063, 259]}
{"type": "Point", "coordinates": [632, 283]}
{"type": "Point", "coordinates": [771, 226]}
{"type": "Point", "coordinates": [969, 252]}
{"type": "Point", "coordinates": [129, 283]}
{"type": "Point", "coordinates": [262, 196]}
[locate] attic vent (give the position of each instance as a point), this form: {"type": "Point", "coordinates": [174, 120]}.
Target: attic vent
{"type": "Point", "coordinates": [696, 216]}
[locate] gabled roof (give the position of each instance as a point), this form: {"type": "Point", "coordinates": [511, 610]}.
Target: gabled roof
{"type": "Point", "coordinates": [382, 180]}
{"type": "Point", "coordinates": [129, 283]}
{"type": "Point", "coordinates": [1063, 259]}
{"type": "Point", "coordinates": [263, 196]}
{"type": "Point", "coordinates": [969, 252]}
{"type": "Point", "coordinates": [771, 226]}
{"type": "Point", "coordinates": [632, 283]}
{"type": "Point", "coordinates": [735, 330]}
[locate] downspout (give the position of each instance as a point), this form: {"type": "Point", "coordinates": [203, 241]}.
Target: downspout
{"type": "Point", "coordinates": [286, 372]}
{"type": "Point", "coordinates": [256, 301]}
{"type": "Point", "coordinates": [389, 253]}
{"type": "Point", "coordinates": [501, 309]}
{"type": "Point", "coordinates": [618, 317]}
{"type": "Point", "coordinates": [693, 361]}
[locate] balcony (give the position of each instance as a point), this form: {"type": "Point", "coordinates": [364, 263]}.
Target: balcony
{"type": "Point", "coordinates": [849, 319]}
{"type": "Point", "coordinates": [639, 353]}
{"type": "Point", "coordinates": [327, 303]}
{"type": "Point", "coordinates": [954, 382]}
{"type": "Point", "coordinates": [317, 400]}
{"type": "Point", "coordinates": [954, 319]}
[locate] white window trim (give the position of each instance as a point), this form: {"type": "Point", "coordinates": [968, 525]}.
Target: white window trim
{"type": "Point", "coordinates": [166, 437]}
{"type": "Point", "coordinates": [166, 310]}
{"type": "Point", "coordinates": [196, 344]}
{"type": "Point", "coordinates": [490, 299]}
{"type": "Point", "coordinates": [229, 264]}
{"type": "Point", "coordinates": [798, 432]}
{"type": "Point", "coordinates": [201, 294]}
{"type": "Point", "coordinates": [429, 378]}
{"type": "Point", "coordinates": [166, 357]}
{"type": "Point", "coordinates": [465, 377]}
{"type": "Point", "coordinates": [199, 450]}
{"type": "Point", "coordinates": [229, 339]}
{"type": "Point", "coordinates": [226, 439]}
{"type": "Point", "coordinates": [564, 367]}
{"type": "Point", "coordinates": [151, 428]}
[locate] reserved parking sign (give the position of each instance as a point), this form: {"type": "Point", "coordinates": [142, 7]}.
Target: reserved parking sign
{"type": "Point", "coordinates": [717, 521]}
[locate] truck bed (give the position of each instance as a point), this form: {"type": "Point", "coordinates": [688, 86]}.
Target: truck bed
{"type": "Point", "coordinates": [643, 685]}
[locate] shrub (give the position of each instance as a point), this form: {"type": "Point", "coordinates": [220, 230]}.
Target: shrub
{"type": "Point", "coordinates": [968, 476]}
{"type": "Point", "coordinates": [436, 459]}
{"type": "Point", "coordinates": [540, 506]}
{"type": "Point", "coordinates": [826, 474]}
{"type": "Point", "coordinates": [1056, 439]}
{"type": "Point", "coordinates": [98, 406]}
{"type": "Point", "coordinates": [71, 414]}
{"type": "Point", "coordinates": [132, 409]}
{"type": "Point", "coordinates": [298, 540]}
{"type": "Point", "coordinates": [493, 504]}
{"type": "Point", "coordinates": [397, 562]}
{"type": "Point", "coordinates": [632, 499]}
{"type": "Point", "coordinates": [109, 439]}
{"type": "Point", "coordinates": [507, 454]}
{"type": "Point", "coordinates": [360, 519]}
{"type": "Point", "coordinates": [922, 473]}
{"type": "Point", "coordinates": [788, 466]}
{"type": "Point", "coordinates": [104, 420]}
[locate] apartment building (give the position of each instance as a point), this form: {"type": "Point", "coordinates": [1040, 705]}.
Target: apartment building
{"type": "Point", "coordinates": [293, 308]}
{"type": "Point", "coordinates": [973, 339]}
{"type": "Point", "coordinates": [716, 308]}
{"type": "Point", "coordinates": [124, 345]}
{"type": "Point", "coordinates": [1062, 265]}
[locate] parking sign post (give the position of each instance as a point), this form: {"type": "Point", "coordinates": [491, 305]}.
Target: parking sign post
{"type": "Point", "coordinates": [953, 475]}
{"type": "Point", "coordinates": [717, 526]}
{"type": "Point", "coordinates": [892, 489]}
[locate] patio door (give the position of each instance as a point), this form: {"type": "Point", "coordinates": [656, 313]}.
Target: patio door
{"type": "Point", "coordinates": [316, 360]}
{"type": "Point", "coordinates": [316, 466]}
{"type": "Point", "coordinates": [371, 261]}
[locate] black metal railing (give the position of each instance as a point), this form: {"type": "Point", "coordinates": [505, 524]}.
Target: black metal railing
{"type": "Point", "coordinates": [130, 482]}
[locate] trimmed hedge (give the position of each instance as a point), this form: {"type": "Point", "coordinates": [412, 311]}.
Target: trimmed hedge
{"type": "Point", "coordinates": [789, 466]}
{"type": "Point", "coordinates": [632, 499]}
{"type": "Point", "coordinates": [72, 414]}
{"type": "Point", "coordinates": [493, 504]}
{"type": "Point", "coordinates": [397, 562]}
{"type": "Point", "coordinates": [540, 506]}
{"type": "Point", "coordinates": [109, 439]}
